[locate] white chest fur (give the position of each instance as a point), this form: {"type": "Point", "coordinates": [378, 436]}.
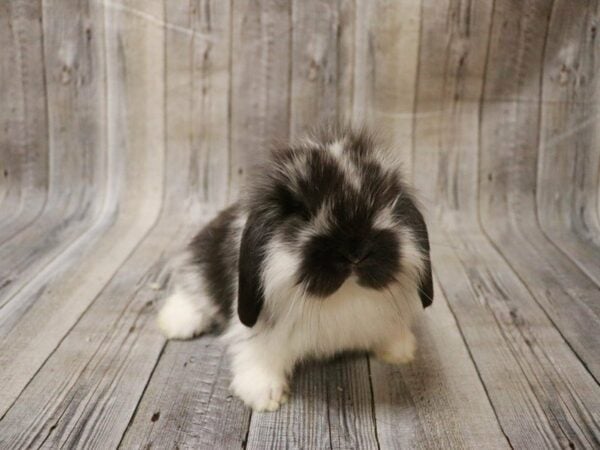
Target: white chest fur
{"type": "Point", "coordinates": [352, 319]}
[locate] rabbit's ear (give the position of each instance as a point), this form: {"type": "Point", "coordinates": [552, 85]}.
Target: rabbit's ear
{"type": "Point", "coordinates": [426, 286]}
{"type": "Point", "coordinates": [251, 266]}
{"type": "Point", "coordinates": [410, 215]}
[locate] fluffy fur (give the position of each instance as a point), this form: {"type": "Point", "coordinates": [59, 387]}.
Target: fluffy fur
{"type": "Point", "coordinates": [327, 252]}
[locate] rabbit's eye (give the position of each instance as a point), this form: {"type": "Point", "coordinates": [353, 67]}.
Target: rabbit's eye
{"type": "Point", "coordinates": [291, 205]}
{"type": "Point", "coordinates": [296, 207]}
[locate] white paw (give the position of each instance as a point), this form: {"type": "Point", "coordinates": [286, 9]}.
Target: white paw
{"type": "Point", "coordinates": [180, 318]}
{"type": "Point", "coordinates": [265, 392]}
{"type": "Point", "coordinates": [401, 351]}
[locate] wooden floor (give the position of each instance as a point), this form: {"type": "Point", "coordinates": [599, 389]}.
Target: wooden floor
{"type": "Point", "coordinates": [125, 125]}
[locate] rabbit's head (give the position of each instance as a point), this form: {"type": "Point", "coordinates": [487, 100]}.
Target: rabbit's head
{"type": "Point", "coordinates": [329, 210]}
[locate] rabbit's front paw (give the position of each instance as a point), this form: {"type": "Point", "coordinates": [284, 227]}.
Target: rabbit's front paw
{"type": "Point", "coordinates": [399, 351]}
{"type": "Point", "coordinates": [262, 391]}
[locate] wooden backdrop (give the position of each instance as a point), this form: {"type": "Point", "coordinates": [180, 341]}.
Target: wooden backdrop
{"type": "Point", "coordinates": [125, 124]}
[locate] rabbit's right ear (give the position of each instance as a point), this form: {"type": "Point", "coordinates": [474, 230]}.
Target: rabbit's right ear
{"type": "Point", "coordinates": [250, 267]}
{"type": "Point", "coordinates": [411, 216]}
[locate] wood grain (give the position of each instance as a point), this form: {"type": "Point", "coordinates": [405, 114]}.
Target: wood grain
{"type": "Point", "coordinates": [188, 402]}
{"type": "Point", "coordinates": [260, 83]}
{"type": "Point", "coordinates": [314, 57]}
{"type": "Point", "coordinates": [569, 118]}
{"type": "Point", "coordinates": [509, 143]}
{"type": "Point", "coordinates": [23, 117]}
{"type": "Point", "coordinates": [76, 152]}
{"type": "Point", "coordinates": [517, 350]}
{"type": "Point", "coordinates": [93, 381]}
{"type": "Point", "coordinates": [125, 125]}
{"type": "Point", "coordinates": [330, 407]}
{"type": "Point", "coordinates": [385, 69]}
{"type": "Point", "coordinates": [65, 288]}
{"type": "Point", "coordinates": [422, 404]}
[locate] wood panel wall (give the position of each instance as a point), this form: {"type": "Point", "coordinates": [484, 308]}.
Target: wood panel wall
{"type": "Point", "coordinates": [125, 124]}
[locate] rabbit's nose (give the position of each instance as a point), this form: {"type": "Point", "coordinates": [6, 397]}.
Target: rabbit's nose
{"type": "Point", "coordinates": [355, 253]}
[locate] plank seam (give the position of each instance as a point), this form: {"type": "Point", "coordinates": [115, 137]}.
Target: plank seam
{"type": "Point", "coordinates": [540, 229]}
{"type": "Point", "coordinates": [290, 73]}
{"type": "Point", "coordinates": [135, 409]}
{"type": "Point", "coordinates": [415, 98]}
{"type": "Point", "coordinates": [462, 335]}
{"type": "Point", "coordinates": [229, 104]}
{"type": "Point", "coordinates": [478, 211]}
{"type": "Point", "coordinates": [160, 213]}
{"type": "Point", "coordinates": [373, 409]}
{"type": "Point", "coordinates": [45, 93]}
{"type": "Point", "coordinates": [328, 401]}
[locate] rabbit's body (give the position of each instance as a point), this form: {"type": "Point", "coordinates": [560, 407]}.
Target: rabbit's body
{"type": "Point", "coordinates": [343, 271]}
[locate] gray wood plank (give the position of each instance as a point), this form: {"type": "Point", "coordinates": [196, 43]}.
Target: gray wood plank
{"type": "Point", "coordinates": [86, 392]}
{"type": "Point", "coordinates": [346, 54]}
{"type": "Point", "coordinates": [509, 161]}
{"type": "Point", "coordinates": [89, 387]}
{"type": "Point", "coordinates": [385, 69]}
{"type": "Point", "coordinates": [187, 403]}
{"type": "Point", "coordinates": [260, 82]}
{"type": "Point", "coordinates": [23, 119]}
{"type": "Point", "coordinates": [330, 407]}
{"type": "Point", "coordinates": [422, 404]}
{"type": "Point", "coordinates": [197, 71]}
{"type": "Point", "coordinates": [314, 46]}
{"type": "Point", "coordinates": [75, 102]}
{"type": "Point", "coordinates": [331, 404]}
{"type": "Point", "coordinates": [568, 160]}
{"type": "Point", "coordinates": [352, 423]}
{"type": "Point", "coordinates": [541, 393]}
{"type": "Point", "coordinates": [60, 293]}
{"type": "Point", "coordinates": [127, 124]}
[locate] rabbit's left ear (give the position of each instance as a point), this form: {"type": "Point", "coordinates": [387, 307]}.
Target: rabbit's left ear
{"type": "Point", "coordinates": [412, 217]}
{"type": "Point", "coordinates": [250, 267]}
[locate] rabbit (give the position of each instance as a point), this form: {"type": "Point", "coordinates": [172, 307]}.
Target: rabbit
{"type": "Point", "coordinates": [326, 252]}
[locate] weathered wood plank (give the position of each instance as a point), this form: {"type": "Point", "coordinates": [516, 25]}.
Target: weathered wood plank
{"type": "Point", "coordinates": [56, 298]}
{"type": "Point", "coordinates": [568, 160]}
{"type": "Point", "coordinates": [154, 113]}
{"type": "Point", "coordinates": [422, 404]}
{"type": "Point", "coordinates": [260, 82]}
{"type": "Point", "coordinates": [314, 30]}
{"type": "Point", "coordinates": [23, 120]}
{"type": "Point", "coordinates": [451, 76]}
{"type": "Point", "coordinates": [352, 423]}
{"type": "Point", "coordinates": [541, 393]}
{"type": "Point", "coordinates": [197, 69]}
{"type": "Point", "coordinates": [88, 389]}
{"type": "Point", "coordinates": [346, 49]}
{"type": "Point", "coordinates": [85, 393]}
{"type": "Point", "coordinates": [75, 107]}
{"type": "Point", "coordinates": [385, 69]}
{"type": "Point", "coordinates": [187, 403]}
{"type": "Point", "coordinates": [330, 407]}
{"type": "Point", "coordinates": [509, 163]}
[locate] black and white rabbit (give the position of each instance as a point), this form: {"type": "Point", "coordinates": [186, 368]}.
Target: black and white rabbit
{"type": "Point", "coordinates": [327, 252]}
